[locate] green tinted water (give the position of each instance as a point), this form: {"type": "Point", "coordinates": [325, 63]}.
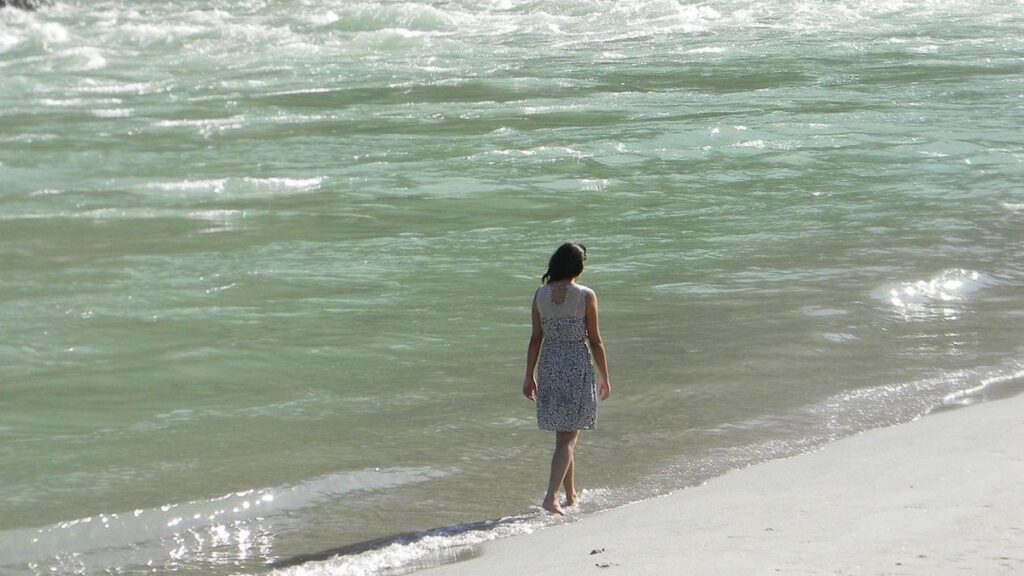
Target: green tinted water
{"type": "Point", "coordinates": [284, 252]}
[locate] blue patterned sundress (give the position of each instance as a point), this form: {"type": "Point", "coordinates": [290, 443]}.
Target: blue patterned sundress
{"type": "Point", "coordinates": [566, 390]}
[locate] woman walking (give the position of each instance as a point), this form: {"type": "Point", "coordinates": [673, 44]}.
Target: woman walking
{"type": "Point", "coordinates": [559, 367]}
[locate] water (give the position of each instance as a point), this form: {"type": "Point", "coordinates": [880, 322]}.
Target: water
{"type": "Point", "coordinates": [265, 267]}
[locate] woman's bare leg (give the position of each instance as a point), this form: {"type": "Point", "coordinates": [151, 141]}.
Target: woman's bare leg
{"type": "Point", "coordinates": [561, 460]}
{"type": "Point", "coordinates": [569, 483]}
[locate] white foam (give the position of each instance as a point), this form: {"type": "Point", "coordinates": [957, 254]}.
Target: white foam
{"type": "Point", "coordinates": [440, 544]}
{"type": "Point", "coordinates": [707, 50]}
{"type": "Point", "coordinates": [54, 33]}
{"type": "Point", "coordinates": [964, 395]}
{"type": "Point", "coordinates": [225, 219]}
{"type": "Point", "coordinates": [434, 546]}
{"type": "Point", "coordinates": [206, 127]}
{"type": "Point", "coordinates": [72, 102]}
{"type": "Point", "coordinates": [214, 186]}
{"type": "Point", "coordinates": [235, 187]}
{"type": "Point", "coordinates": [297, 184]}
{"type": "Point", "coordinates": [166, 32]}
{"type": "Point", "coordinates": [323, 18]}
{"type": "Point", "coordinates": [18, 26]}
{"type": "Point", "coordinates": [113, 113]}
{"type": "Point", "coordinates": [8, 41]}
{"type": "Point", "coordinates": [84, 59]}
{"type": "Point", "coordinates": [90, 86]}
{"type": "Point", "coordinates": [45, 192]}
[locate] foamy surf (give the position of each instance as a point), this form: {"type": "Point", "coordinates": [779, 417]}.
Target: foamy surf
{"type": "Point", "coordinates": [245, 187]}
{"type": "Point", "coordinates": [404, 553]}
{"type": "Point", "coordinates": [189, 532]}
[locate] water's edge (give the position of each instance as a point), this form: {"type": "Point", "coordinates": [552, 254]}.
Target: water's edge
{"type": "Point", "coordinates": [427, 548]}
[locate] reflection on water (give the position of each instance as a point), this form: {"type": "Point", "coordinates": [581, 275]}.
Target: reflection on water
{"type": "Point", "coordinates": [233, 530]}
{"type": "Point", "coordinates": [941, 297]}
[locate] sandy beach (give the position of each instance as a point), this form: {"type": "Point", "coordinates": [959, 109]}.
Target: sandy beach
{"type": "Point", "coordinates": [940, 495]}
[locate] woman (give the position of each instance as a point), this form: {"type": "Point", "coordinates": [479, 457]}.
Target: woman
{"type": "Point", "coordinates": [559, 370]}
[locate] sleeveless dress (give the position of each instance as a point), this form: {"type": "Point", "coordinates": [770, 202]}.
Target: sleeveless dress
{"type": "Point", "coordinates": [566, 391]}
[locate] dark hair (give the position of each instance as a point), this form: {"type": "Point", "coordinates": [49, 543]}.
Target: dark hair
{"type": "Point", "coordinates": [565, 263]}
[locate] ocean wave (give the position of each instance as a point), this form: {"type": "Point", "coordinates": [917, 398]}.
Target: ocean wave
{"type": "Point", "coordinates": [18, 28]}
{"type": "Point", "coordinates": [244, 187]}
{"type": "Point", "coordinates": [205, 127]}
{"type": "Point", "coordinates": [77, 102]}
{"type": "Point", "coordinates": [88, 37]}
{"type": "Point", "coordinates": [425, 548]}
{"type": "Point", "coordinates": [113, 112]}
{"type": "Point", "coordinates": [219, 220]}
{"type": "Point", "coordinates": [838, 416]}
{"type": "Point", "coordinates": [309, 407]}
{"type": "Point", "coordinates": [435, 546]}
{"type": "Point", "coordinates": [173, 534]}
{"type": "Point", "coordinates": [366, 17]}
{"type": "Point", "coordinates": [92, 86]}
{"type": "Point", "coordinates": [79, 59]}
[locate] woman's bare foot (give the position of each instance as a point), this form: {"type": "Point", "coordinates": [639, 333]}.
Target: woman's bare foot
{"type": "Point", "coordinates": [570, 499]}
{"type": "Point", "coordinates": [551, 507]}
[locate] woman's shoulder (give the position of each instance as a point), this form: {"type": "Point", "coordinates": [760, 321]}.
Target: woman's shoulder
{"type": "Point", "coordinates": [542, 289]}
{"type": "Point", "coordinates": [586, 290]}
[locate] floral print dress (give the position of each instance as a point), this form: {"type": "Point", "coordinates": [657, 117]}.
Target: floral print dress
{"type": "Point", "coordinates": [566, 390]}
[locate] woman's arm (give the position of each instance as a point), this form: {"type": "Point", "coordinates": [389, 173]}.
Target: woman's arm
{"type": "Point", "coordinates": [532, 353]}
{"type": "Point", "coordinates": [597, 345]}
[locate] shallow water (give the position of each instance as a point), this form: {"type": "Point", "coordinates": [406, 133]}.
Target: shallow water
{"type": "Point", "coordinates": [265, 267]}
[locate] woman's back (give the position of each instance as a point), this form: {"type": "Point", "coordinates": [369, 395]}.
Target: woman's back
{"type": "Point", "coordinates": [562, 300]}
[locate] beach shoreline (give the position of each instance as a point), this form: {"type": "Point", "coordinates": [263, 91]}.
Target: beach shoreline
{"type": "Point", "coordinates": [943, 494]}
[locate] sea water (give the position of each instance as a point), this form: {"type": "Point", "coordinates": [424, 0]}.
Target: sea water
{"type": "Point", "coordinates": [266, 267]}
